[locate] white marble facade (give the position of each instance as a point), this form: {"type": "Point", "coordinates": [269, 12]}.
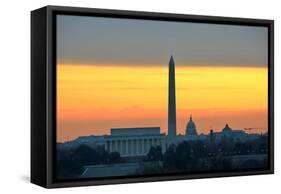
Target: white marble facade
{"type": "Point", "coordinates": [133, 142]}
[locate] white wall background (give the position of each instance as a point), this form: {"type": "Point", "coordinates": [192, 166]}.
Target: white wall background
{"type": "Point", "coordinates": [15, 95]}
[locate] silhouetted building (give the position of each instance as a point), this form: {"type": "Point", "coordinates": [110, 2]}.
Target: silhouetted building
{"type": "Point", "coordinates": [134, 141]}
{"type": "Point", "coordinates": [212, 136]}
{"type": "Point", "coordinates": [228, 133]}
{"type": "Point", "coordinates": [190, 127]}
{"type": "Point", "coordinates": [226, 129]}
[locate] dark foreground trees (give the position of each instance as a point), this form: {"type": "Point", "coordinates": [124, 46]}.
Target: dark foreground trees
{"type": "Point", "coordinates": [203, 156]}
{"type": "Point", "coordinates": [185, 157]}
{"type": "Point", "coordinates": [154, 154]}
{"type": "Point", "coordinates": [87, 155]}
{"type": "Point", "coordinates": [68, 168]}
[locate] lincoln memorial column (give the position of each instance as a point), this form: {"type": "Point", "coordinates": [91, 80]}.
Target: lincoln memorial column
{"type": "Point", "coordinates": [110, 145]}
{"type": "Point", "coordinates": [136, 144]}
{"type": "Point", "coordinates": [129, 147]}
{"type": "Point", "coordinates": [163, 142]}
{"type": "Point", "coordinates": [121, 147]}
{"type": "Point", "coordinates": [154, 142]}
{"type": "Point", "coordinates": [118, 145]}
{"type": "Point", "coordinates": [113, 145]}
{"type": "Point", "coordinates": [142, 146]}
{"type": "Point", "coordinates": [126, 146]}
{"type": "Point", "coordinates": [105, 145]}
{"type": "Point", "coordinates": [145, 145]}
{"type": "Point", "coordinates": [133, 147]}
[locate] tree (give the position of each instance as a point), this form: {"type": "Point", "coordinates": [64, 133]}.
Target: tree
{"type": "Point", "coordinates": [154, 154]}
{"type": "Point", "coordinates": [169, 158]}
{"type": "Point", "coordinates": [68, 168]}
{"type": "Point", "coordinates": [184, 157]}
{"type": "Point", "coordinates": [114, 157]}
{"type": "Point", "coordinates": [85, 155]}
{"type": "Point", "coordinates": [199, 148]}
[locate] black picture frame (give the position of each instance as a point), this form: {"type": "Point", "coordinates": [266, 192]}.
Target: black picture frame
{"type": "Point", "coordinates": [43, 92]}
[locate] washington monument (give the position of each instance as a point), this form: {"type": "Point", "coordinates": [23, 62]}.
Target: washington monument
{"type": "Point", "coordinates": [172, 126]}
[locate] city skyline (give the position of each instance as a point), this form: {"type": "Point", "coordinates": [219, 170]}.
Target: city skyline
{"type": "Point", "coordinates": [206, 117]}
{"type": "Point", "coordinates": [95, 94]}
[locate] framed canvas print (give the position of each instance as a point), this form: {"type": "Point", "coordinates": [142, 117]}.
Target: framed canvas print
{"type": "Point", "coordinates": [125, 96]}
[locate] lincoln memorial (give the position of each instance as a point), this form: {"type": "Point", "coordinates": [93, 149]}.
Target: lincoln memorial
{"type": "Point", "coordinates": [134, 141]}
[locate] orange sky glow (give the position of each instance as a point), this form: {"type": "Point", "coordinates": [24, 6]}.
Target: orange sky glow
{"type": "Point", "coordinates": [91, 99]}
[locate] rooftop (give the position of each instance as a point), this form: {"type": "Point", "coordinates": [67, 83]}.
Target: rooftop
{"type": "Point", "coordinates": [135, 131]}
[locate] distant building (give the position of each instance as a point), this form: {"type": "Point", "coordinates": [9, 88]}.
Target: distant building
{"type": "Point", "coordinates": [134, 141]}
{"type": "Point", "coordinates": [226, 129]}
{"type": "Point", "coordinates": [231, 134]}
{"type": "Point", "coordinates": [212, 136]}
{"type": "Point", "coordinates": [190, 127]}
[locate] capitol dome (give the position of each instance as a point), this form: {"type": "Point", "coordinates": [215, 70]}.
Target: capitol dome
{"type": "Point", "coordinates": [190, 127]}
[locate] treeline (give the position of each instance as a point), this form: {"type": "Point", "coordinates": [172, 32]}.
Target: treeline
{"type": "Point", "coordinates": [187, 156]}
{"type": "Point", "coordinates": [198, 156]}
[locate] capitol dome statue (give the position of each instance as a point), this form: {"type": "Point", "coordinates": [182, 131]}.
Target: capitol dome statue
{"type": "Point", "coordinates": [190, 127]}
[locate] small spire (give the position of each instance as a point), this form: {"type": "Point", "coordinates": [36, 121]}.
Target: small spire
{"type": "Point", "coordinates": [190, 118]}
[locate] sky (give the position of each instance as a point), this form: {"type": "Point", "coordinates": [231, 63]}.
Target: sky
{"type": "Point", "coordinates": [114, 73]}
